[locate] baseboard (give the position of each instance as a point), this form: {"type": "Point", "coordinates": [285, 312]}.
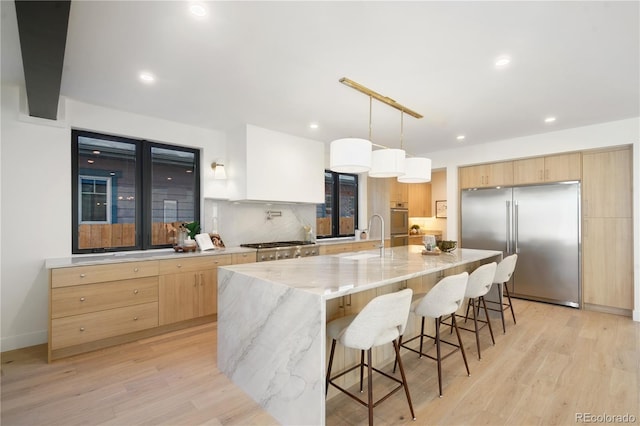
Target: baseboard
{"type": "Point", "coordinates": [23, 340]}
{"type": "Point", "coordinates": [609, 310]}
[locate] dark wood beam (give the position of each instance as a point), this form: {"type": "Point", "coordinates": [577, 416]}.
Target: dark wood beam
{"type": "Point", "coordinates": [42, 26]}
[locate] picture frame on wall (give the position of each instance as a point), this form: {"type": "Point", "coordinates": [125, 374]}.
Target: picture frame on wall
{"type": "Point", "coordinates": [441, 209]}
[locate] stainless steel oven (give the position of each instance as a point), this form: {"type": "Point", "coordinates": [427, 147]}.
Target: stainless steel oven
{"type": "Point", "coordinates": [399, 224]}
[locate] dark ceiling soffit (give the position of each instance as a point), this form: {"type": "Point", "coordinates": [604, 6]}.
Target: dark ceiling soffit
{"type": "Point", "coordinates": [42, 26]}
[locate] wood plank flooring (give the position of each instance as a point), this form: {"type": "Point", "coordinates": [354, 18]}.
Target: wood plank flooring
{"type": "Point", "coordinates": [556, 362]}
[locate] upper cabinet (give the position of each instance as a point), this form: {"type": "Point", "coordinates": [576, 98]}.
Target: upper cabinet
{"type": "Point", "coordinates": [399, 192]}
{"type": "Point", "coordinates": [553, 168]}
{"type": "Point", "coordinates": [607, 184]}
{"type": "Point", "coordinates": [420, 200]}
{"type": "Point", "coordinates": [487, 175]}
{"type": "Point", "coordinates": [265, 165]}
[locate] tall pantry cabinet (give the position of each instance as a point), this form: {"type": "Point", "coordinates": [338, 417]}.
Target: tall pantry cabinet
{"type": "Point", "coordinates": [607, 233]}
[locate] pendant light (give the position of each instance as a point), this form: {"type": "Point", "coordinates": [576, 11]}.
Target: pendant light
{"type": "Point", "coordinates": [351, 155]}
{"type": "Point", "coordinates": [388, 162]}
{"type": "Point", "coordinates": [416, 170]}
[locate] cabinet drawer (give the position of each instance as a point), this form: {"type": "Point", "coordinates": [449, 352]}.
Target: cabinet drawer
{"type": "Point", "coordinates": [336, 248]}
{"type": "Point", "coordinates": [82, 299]}
{"type": "Point", "coordinates": [193, 264]}
{"type": "Point", "coordinates": [64, 277]}
{"type": "Point", "coordinates": [238, 258]}
{"type": "Point", "coordinates": [78, 329]}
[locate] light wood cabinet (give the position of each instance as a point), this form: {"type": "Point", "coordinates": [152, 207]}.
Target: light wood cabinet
{"type": "Point", "coordinates": [608, 262]}
{"type": "Point", "coordinates": [90, 304]}
{"type": "Point", "coordinates": [85, 328]}
{"type": "Point", "coordinates": [420, 200]}
{"type": "Point", "coordinates": [335, 248]}
{"type": "Point", "coordinates": [238, 258]}
{"type": "Point", "coordinates": [97, 306]}
{"type": "Point", "coordinates": [607, 234]}
{"type": "Point", "coordinates": [399, 192]}
{"type": "Point", "coordinates": [607, 184]}
{"type": "Point", "coordinates": [486, 175]}
{"type": "Point", "coordinates": [193, 291]}
{"type": "Point", "coordinates": [553, 168]}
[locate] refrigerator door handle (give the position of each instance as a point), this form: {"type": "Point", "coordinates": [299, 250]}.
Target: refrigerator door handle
{"type": "Point", "coordinates": [515, 227]}
{"type": "Point", "coordinates": [508, 226]}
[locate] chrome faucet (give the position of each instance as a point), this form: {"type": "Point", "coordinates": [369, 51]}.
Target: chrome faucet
{"type": "Point", "coordinates": [381, 232]}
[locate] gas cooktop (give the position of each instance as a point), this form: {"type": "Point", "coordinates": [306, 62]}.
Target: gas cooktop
{"type": "Point", "coordinates": [276, 244]}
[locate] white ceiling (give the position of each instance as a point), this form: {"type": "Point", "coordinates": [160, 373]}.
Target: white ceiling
{"type": "Point", "coordinates": [277, 65]}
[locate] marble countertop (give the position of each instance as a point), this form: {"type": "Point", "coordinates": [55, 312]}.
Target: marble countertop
{"type": "Point", "coordinates": [337, 275]}
{"type": "Point", "coordinates": [136, 256]}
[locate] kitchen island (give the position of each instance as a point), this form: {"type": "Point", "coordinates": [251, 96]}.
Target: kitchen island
{"type": "Point", "coordinates": [272, 317]}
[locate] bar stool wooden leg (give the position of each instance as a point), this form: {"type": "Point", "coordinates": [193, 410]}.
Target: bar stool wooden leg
{"type": "Point", "coordinates": [326, 382]}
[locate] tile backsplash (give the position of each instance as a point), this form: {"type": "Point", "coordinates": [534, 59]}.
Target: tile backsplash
{"type": "Point", "coordinates": [240, 223]}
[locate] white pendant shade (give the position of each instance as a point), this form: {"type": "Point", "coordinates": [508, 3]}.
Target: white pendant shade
{"type": "Point", "coordinates": [387, 163]}
{"type": "Point", "coordinates": [416, 170]}
{"type": "Point", "coordinates": [350, 155]}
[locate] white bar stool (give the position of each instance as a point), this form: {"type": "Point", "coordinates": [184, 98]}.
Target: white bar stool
{"type": "Point", "coordinates": [442, 300]}
{"type": "Point", "coordinates": [478, 286]}
{"type": "Point", "coordinates": [504, 271]}
{"type": "Point", "coordinates": [381, 321]}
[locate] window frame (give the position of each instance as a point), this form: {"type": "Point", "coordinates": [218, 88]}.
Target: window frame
{"type": "Point", "coordinates": [143, 189]}
{"type": "Point", "coordinates": [107, 180]}
{"type": "Point", "coordinates": [335, 205]}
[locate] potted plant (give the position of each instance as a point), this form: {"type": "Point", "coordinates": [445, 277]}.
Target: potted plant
{"type": "Point", "coordinates": [415, 229]}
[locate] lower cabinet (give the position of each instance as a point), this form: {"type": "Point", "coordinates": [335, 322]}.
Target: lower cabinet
{"type": "Point", "coordinates": [93, 307]}
{"type": "Point", "coordinates": [192, 293]}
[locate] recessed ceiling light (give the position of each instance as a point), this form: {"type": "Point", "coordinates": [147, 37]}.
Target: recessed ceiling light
{"type": "Point", "coordinates": [549, 119]}
{"type": "Point", "coordinates": [169, 178]}
{"type": "Point", "coordinates": [146, 77]}
{"type": "Point", "coordinates": [313, 126]}
{"type": "Point", "coordinates": [90, 161]}
{"type": "Point", "coordinates": [502, 62]}
{"type": "Point", "coordinates": [189, 171]}
{"type": "Point", "coordinates": [460, 137]}
{"type": "Point", "coordinates": [96, 152]}
{"type": "Point", "coordinates": [198, 10]}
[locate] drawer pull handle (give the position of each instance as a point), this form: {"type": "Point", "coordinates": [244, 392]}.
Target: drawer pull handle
{"type": "Point", "coordinates": [135, 291]}
{"type": "Point", "coordinates": [135, 269]}
{"type": "Point", "coordinates": [82, 299]}
{"type": "Point", "coordinates": [82, 275]}
{"type": "Point", "coordinates": [135, 318]}
{"type": "Point", "coordinates": [81, 328]}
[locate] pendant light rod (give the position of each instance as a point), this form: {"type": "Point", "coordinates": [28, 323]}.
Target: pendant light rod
{"type": "Point", "coordinates": [384, 99]}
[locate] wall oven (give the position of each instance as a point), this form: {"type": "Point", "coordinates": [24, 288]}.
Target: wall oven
{"type": "Point", "coordinates": [399, 224]}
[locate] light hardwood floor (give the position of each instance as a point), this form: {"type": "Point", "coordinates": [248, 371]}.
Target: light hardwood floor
{"type": "Point", "coordinates": [554, 363]}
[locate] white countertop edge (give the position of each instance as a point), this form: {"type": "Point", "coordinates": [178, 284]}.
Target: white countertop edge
{"type": "Point", "coordinates": [136, 256]}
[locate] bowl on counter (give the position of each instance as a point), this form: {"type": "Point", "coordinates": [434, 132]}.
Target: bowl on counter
{"type": "Point", "coordinates": [447, 246]}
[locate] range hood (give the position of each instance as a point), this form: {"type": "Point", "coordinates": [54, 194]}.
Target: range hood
{"type": "Point", "coordinates": [269, 166]}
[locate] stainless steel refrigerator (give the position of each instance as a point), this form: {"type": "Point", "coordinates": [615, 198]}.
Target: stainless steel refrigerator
{"type": "Point", "coordinates": [541, 224]}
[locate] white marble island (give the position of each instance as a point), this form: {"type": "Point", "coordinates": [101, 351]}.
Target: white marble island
{"type": "Point", "coordinates": [272, 315]}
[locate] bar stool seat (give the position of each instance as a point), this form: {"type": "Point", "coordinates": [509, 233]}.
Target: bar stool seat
{"type": "Point", "coordinates": [478, 286]}
{"type": "Point", "coordinates": [504, 271]}
{"type": "Point", "coordinates": [442, 300]}
{"type": "Point", "coordinates": [381, 321]}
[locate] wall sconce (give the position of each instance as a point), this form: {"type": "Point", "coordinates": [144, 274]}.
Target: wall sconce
{"type": "Point", "coordinates": [219, 172]}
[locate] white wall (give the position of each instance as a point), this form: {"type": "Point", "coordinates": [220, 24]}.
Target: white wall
{"type": "Point", "coordinates": [35, 181]}
{"type": "Point", "coordinates": [615, 133]}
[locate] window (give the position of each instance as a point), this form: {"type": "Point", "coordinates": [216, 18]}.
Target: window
{"type": "Point", "coordinates": [130, 194]}
{"type": "Point", "coordinates": [338, 216]}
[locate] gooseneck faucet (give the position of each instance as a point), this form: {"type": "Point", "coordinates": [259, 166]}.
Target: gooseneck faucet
{"type": "Point", "coordinates": [381, 232]}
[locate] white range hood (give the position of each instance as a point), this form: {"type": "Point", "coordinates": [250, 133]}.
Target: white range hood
{"type": "Point", "coordinates": [265, 165]}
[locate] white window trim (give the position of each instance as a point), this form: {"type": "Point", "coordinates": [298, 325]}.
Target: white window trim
{"type": "Point", "coordinates": [94, 222]}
